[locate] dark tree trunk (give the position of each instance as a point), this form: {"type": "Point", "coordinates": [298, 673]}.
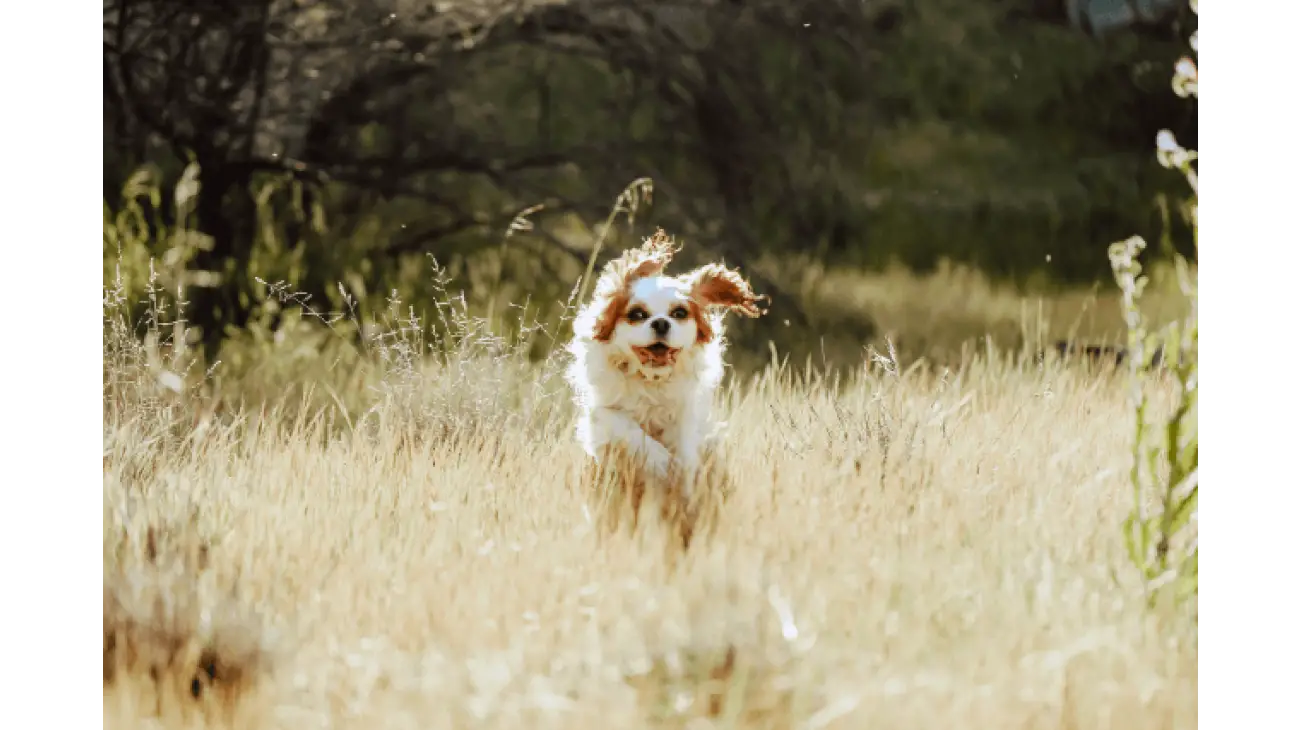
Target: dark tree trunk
{"type": "Point", "coordinates": [225, 213]}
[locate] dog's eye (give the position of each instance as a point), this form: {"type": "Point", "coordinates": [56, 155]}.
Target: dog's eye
{"type": "Point", "coordinates": [680, 313]}
{"type": "Point", "coordinates": [636, 315]}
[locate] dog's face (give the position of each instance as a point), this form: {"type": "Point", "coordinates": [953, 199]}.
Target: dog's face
{"type": "Point", "coordinates": [646, 314]}
{"type": "Point", "coordinates": [659, 320]}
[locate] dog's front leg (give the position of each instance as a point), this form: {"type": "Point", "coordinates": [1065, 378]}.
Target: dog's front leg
{"type": "Point", "coordinates": [688, 442]}
{"type": "Point", "coordinates": [611, 426]}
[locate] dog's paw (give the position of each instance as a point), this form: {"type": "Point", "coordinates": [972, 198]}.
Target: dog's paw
{"type": "Point", "coordinates": [658, 462]}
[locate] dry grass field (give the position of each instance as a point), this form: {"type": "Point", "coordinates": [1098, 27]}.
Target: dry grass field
{"type": "Point", "coordinates": [898, 547]}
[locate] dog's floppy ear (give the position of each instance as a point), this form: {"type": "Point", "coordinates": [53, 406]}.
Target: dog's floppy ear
{"type": "Point", "coordinates": [603, 315]}
{"type": "Point", "coordinates": [610, 297]}
{"type": "Point", "coordinates": [714, 285]}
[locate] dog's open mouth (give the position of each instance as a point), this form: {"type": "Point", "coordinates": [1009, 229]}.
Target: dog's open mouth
{"type": "Point", "coordinates": [657, 355]}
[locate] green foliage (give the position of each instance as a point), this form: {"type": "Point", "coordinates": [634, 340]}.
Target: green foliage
{"type": "Point", "coordinates": [151, 369]}
{"type": "Point", "coordinates": [440, 368]}
{"type": "Point", "coordinates": [1161, 531]}
{"type": "Point", "coordinates": [863, 134]}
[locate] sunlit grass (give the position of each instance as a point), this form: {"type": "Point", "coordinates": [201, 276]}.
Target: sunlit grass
{"type": "Point", "coordinates": [947, 314]}
{"type": "Point", "coordinates": [904, 547]}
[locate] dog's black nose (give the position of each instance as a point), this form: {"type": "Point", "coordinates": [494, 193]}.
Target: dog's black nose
{"type": "Point", "coordinates": [660, 326]}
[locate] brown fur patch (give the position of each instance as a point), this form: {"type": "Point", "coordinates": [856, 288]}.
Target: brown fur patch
{"type": "Point", "coordinates": [703, 325]}
{"type": "Point", "coordinates": [714, 285]}
{"type": "Point", "coordinates": [616, 279]}
{"type": "Point", "coordinates": [614, 309]}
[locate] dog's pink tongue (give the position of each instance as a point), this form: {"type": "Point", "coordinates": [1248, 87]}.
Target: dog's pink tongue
{"type": "Point", "coordinates": [656, 358]}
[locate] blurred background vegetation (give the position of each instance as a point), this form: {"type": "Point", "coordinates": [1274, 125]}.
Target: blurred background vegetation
{"type": "Point", "coordinates": [839, 151]}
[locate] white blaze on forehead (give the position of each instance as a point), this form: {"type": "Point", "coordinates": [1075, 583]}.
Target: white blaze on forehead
{"type": "Point", "coordinates": [658, 293]}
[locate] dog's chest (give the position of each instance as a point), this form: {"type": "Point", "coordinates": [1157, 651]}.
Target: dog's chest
{"type": "Point", "coordinates": [656, 408]}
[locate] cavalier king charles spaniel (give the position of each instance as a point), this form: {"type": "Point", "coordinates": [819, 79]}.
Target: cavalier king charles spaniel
{"type": "Point", "coordinates": [647, 357]}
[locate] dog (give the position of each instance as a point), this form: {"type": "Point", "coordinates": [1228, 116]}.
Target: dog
{"type": "Point", "coordinates": [647, 356]}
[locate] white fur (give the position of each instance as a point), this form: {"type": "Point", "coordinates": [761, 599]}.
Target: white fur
{"type": "Point", "coordinates": [660, 414]}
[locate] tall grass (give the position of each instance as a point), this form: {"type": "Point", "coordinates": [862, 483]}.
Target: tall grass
{"type": "Point", "coordinates": [1161, 531]}
{"type": "Point", "coordinates": [406, 538]}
